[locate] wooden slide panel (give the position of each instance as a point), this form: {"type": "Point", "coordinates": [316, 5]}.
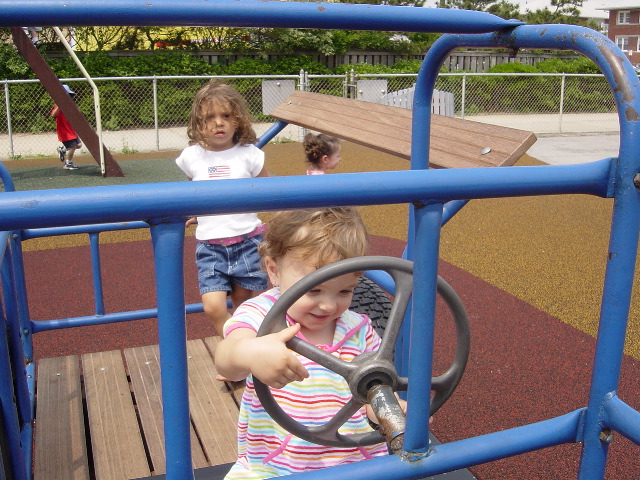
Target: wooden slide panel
{"type": "Point", "coordinates": [455, 143]}
{"type": "Point", "coordinates": [118, 450]}
{"type": "Point", "coordinates": [60, 447]}
{"type": "Point", "coordinates": [143, 364]}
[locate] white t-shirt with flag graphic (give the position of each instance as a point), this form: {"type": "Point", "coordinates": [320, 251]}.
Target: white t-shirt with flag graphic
{"type": "Point", "coordinates": [240, 161]}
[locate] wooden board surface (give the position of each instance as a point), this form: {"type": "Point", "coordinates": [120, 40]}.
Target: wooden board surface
{"type": "Point", "coordinates": [143, 364]}
{"type": "Point", "coordinates": [213, 410]}
{"type": "Point", "coordinates": [59, 409]}
{"type": "Point", "coordinates": [455, 143]}
{"type": "Point", "coordinates": [122, 400]}
{"type": "Point", "coordinates": [118, 450]}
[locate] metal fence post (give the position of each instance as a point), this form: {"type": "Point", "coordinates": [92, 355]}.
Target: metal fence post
{"type": "Point", "coordinates": [561, 102]}
{"type": "Point", "coordinates": [155, 111]}
{"type": "Point", "coordinates": [8, 109]}
{"type": "Point", "coordinates": [463, 95]}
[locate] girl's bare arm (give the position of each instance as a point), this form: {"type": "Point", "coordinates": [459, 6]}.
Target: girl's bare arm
{"type": "Point", "coordinates": [242, 353]}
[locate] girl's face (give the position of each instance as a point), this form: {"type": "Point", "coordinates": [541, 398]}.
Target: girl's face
{"type": "Point", "coordinates": [219, 126]}
{"type": "Point", "coordinates": [329, 162]}
{"type": "Point", "coordinates": [317, 310]}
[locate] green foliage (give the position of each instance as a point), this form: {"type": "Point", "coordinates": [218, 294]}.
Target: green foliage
{"type": "Point", "coordinates": [513, 67]}
{"type": "Point", "coordinates": [250, 66]}
{"type": "Point", "coordinates": [362, 68]}
{"type": "Point", "coordinates": [577, 65]}
{"type": "Point", "coordinates": [293, 65]}
{"type": "Point", "coordinates": [12, 65]}
{"type": "Point", "coordinates": [407, 66]}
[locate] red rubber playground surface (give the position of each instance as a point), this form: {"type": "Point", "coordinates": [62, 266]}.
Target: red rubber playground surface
{"type": "Point", "coordinates": [532, 306]}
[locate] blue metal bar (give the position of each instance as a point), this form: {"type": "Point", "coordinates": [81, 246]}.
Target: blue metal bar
{"type": "Point", "coordinates": [76, 229]}
{"type": "Point", "coordinates": [21, 300]}
{"type": "Point", "coordinates": [168, 250]}
{"type": "Point", "coordinates": [248, 13]}
{"type": "Point", "coordinates": [9, 409]}
{"type": "Point", "coordinates": [382, 279]}
{"type": "Point", "coordinates": [621, 417]}
{"type": "Point", "coordinates": [6, 179]}
{"type": "Point", "coordinates": [422, 327]}
{"type": "Point", "coordinates": [460, 454]}
{"type": "Point", "coordinates": [56, 324]}
{"type": "Point", "coordinates": [96, 268]}
{"type": "Point", "coordinates": [623, 242]}
{"type": "Point", "coordinates": [271, 132]}
{"type": "Point", "coordinates": [451, 208]}
{"type": "Point", "coordinates": [123, 203]}
{"type": "Point", "coordinates": [22, 396]}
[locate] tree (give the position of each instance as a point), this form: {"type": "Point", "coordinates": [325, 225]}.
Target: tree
{"type": "Point", "coordinates": [505, 10]}
{"type": "Point", "coordinates": [562, 11]}
{"type": "Point", "coordinates": [480, 5]}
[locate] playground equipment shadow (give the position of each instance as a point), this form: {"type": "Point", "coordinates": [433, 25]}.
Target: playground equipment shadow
{"type": "Point", "coordinates": [529, 271]}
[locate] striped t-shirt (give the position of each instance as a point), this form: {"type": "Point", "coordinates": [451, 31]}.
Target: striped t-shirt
{"type": "Point", "coordinates": [265, 449]}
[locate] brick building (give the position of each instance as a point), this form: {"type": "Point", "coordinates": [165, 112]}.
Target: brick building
{"type": "Point", "coordinates": [624, 29]}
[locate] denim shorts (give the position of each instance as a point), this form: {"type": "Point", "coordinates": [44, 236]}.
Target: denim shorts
{"type": "Point", "coordinates": [220, 267]}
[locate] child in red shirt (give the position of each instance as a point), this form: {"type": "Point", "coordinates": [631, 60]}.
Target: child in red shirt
{"type": "Point", "coordinates": [66, 134]}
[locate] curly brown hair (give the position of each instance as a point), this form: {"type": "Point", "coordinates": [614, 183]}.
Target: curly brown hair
{"type": "Point", "coordinates": [317, 146]}
{"type": "Point", "coordinates": [320, 236]}
{"type": "Point", "coordinates": [227, 98]}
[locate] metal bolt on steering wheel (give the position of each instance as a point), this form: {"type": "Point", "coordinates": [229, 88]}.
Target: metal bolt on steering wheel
{"type": "Point", "coordinates": [372, 377]}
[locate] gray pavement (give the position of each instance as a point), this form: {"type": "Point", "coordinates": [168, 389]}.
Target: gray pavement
{"type": "Point", "coordinates": [568, 149]}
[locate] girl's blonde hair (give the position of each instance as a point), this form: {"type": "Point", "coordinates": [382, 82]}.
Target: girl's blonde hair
{"type": "Point", "coordinates": [227, 98]}
{"type": "Point", "coordinates": [319, 237]}
{"type": "Point", "coordinates": [317, 146]}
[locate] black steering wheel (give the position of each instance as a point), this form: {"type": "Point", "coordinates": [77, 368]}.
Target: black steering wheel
{"type": "Point", "coordinates": [370, 369]}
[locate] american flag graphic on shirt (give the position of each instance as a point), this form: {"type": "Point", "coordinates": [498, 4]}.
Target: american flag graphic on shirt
{"type": "Point", "coordinates": [219, 171]}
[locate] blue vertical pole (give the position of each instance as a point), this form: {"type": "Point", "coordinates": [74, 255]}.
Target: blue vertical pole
{"type": "Point", "coordinates": [616, 298]}
{"type": "Point", "coordinates": [428, 219]}
{"type": "Point", "coordinates": [96, 268]}
{"type": "Point", "coordinates": [8, 407]}
{"type": "Point", "coordinates": [168, 248]}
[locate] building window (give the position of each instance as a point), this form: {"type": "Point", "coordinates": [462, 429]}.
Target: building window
{"type": "Point", "coordinates": [623, 43]}
{"type": "Point", "coordinates": [624, 17]}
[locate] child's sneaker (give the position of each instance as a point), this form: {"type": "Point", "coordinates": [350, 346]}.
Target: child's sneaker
{"type": "Point", "coordinates": [62, 151]}
{"type": "Point", "coordinates": [70, 166]}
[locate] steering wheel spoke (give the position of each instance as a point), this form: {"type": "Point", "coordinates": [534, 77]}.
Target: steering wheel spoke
{"type": "Point", "coordinates": [321, 357]}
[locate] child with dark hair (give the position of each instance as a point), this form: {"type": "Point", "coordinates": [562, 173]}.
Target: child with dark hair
{"type": "Point", "coordinates": [322, 152]}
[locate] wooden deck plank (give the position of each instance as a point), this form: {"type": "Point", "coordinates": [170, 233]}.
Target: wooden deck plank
{"type": "Point", "coordinates": [60, 446]}
{"type": "Point", "coordinates": [143, 365]}
{"type": "Point", "coordinates": [117, 442]}
{"type": "Point", "coordinates": [214, 412]}
{"type": "Point", "coordinates": [455, 143]}
{"type": "Point", "coordinates": [118, 450]}
{"type": "Point", "coordinates": [235, 388]}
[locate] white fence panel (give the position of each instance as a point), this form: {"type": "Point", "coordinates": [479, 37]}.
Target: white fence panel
{"type": "Point", "coordinates": [442, 103]}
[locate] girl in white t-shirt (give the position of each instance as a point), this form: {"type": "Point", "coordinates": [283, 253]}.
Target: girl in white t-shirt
{"type": "Point", "coordinates": [221, 142]}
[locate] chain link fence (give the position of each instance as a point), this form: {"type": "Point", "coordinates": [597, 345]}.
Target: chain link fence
{"type": "Point", "coordinates": [150, 113]}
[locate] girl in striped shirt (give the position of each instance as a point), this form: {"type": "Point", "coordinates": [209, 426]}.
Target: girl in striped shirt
{"type": "Point", "coordinates": [297, 243]}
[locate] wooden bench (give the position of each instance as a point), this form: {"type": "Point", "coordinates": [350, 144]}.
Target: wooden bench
{"type": "Point", "coordinates": [455, 143]}
{"type": "Point", "coordinates": [118, 393]}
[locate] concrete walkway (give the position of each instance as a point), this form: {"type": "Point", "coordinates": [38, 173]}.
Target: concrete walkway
{"type": "Point", "coordinates": [565, 149]}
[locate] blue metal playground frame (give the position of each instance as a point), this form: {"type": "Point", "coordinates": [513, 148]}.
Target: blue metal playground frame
{"type": "Point", "coordinates": [163, 208]}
